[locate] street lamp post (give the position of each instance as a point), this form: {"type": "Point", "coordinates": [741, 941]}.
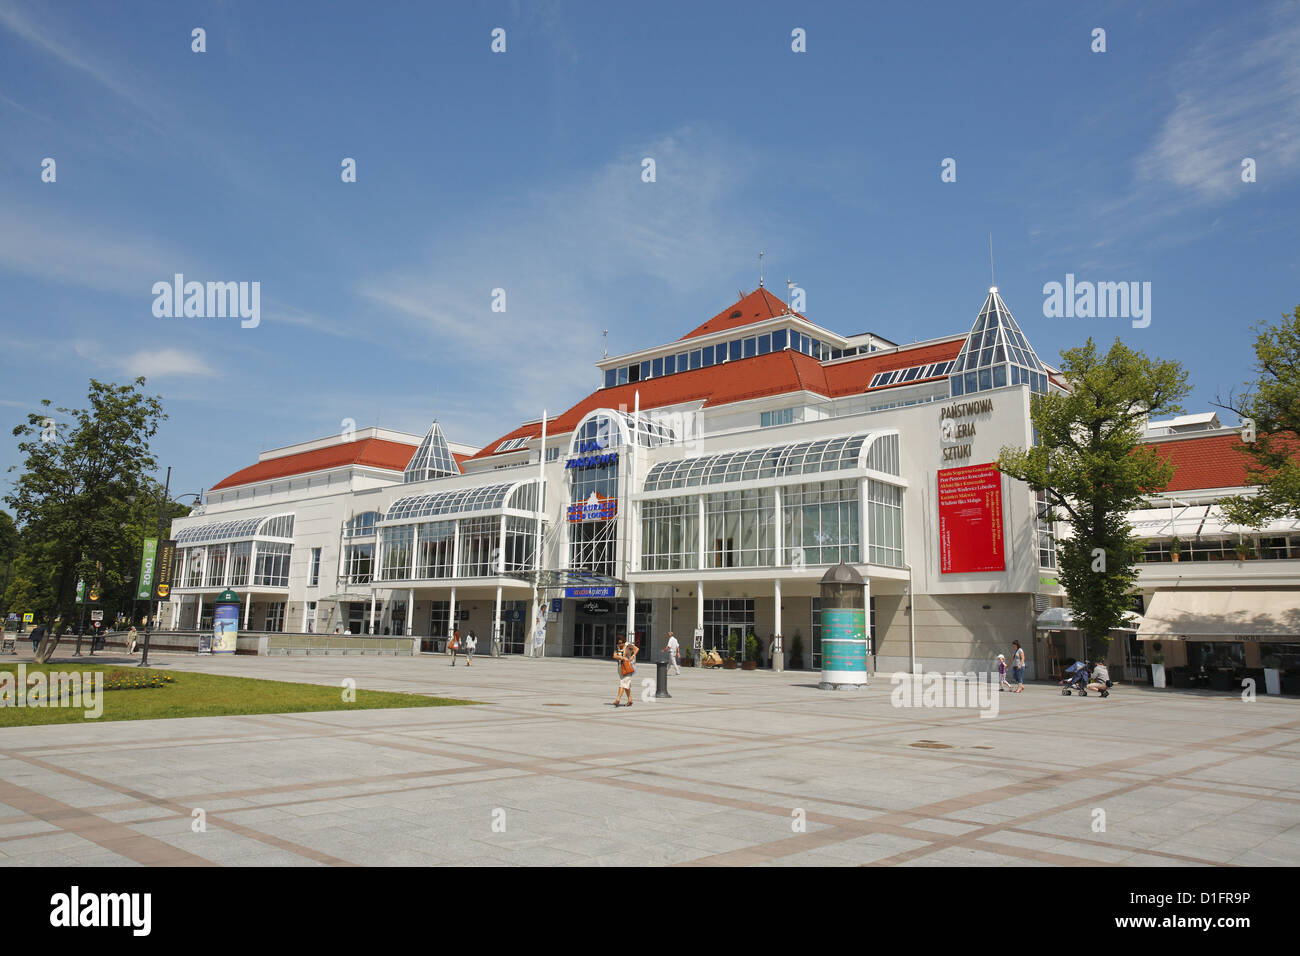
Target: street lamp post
{"type": "Point", "coordinates": [162, 525]}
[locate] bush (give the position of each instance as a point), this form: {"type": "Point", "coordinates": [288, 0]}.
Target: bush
{"type": "Point", "coordinates": [751, 647]}
{"type": "Point", "coordinates": [733, 645]}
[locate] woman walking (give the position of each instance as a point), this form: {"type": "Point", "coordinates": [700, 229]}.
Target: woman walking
{"type": "Point", "coordinates": [625, 655]}
{"type": "Point", "coordinates": [1018, 667]}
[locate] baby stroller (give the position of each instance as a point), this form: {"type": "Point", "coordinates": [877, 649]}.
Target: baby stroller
{"type": "Point", "coordinates": [1075, 678]}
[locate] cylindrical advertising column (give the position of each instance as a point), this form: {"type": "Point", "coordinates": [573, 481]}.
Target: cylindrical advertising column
{"type": "Point", "coordinates": [225, 623]}
{"type": "Point", "coordinates": [843, 630]}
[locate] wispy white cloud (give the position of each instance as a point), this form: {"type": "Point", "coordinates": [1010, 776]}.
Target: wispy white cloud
{"type": "Point", "coordinates": [55, 43]}
{"type": "Point", "coordinates": [1238, 96]}
{"type": "Point", "coordinates": [153, 364]}
{"type": "Point", "coordinates": [40, 244]}
{"type": "Point", "coordinates": [557, 253]}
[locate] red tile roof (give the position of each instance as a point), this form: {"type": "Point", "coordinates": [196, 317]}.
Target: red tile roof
{"type": "Point", "coordinates": [776, 373]}
{"type": "Point", "coordinates": [1208, 461]}
{"type": "Point", "coordinates": [755, 307]}
{"type": "Point", "coordinates": [847, 378]}
{"type": "Point", "coordinates": [375, 452]}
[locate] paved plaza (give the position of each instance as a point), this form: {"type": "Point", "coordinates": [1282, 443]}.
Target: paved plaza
{"type": "Point", "coordinates": [738, 768]}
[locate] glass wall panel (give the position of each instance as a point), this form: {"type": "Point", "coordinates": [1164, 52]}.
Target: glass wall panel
{"type": "Point", "coordinates": [885, 524]}
{"type": "Point", "coordinates": [272, 568]}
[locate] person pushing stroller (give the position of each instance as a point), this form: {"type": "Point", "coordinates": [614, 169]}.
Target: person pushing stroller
{"type": "Point", "coordinates": [1075, 678]}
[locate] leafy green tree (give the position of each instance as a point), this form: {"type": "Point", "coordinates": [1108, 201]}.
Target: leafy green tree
{"type": "Point", "coordinates": [80, 481]}
{"type": "Point", "coordinates": [1271, 410]}
{"type": "Point", "coordinates": [8, 551]}
{"type": "Point", "coordinates": [1090, 462]}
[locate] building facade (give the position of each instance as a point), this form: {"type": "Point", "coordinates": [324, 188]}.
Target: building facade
{"type": "Point", "coordinates": [703, 488]}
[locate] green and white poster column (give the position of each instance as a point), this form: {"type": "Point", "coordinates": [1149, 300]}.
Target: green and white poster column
{"type": "Point", "coordinates": [225, 623]}
{"type": "Point", "coordinates": [843, 630]}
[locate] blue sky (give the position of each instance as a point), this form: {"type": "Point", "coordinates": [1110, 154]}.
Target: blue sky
{"type": "Point", "coordinates": [522, 171]}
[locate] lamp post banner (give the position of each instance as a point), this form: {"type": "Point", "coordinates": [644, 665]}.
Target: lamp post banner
{"type": "Point", "coordinates": [163, 568]}
{"type": "Point", "coordinates": [147, 558]}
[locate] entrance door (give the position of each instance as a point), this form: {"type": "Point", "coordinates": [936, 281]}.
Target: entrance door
{"type": "Point", "coordinates": [591, 640]}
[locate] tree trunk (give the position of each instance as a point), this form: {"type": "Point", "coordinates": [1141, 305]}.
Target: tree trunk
{"type": "Point", "coordinates": [50, 643]}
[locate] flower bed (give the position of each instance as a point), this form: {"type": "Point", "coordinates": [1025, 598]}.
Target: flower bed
{"type": "Point", "coordinates": [126, 680]}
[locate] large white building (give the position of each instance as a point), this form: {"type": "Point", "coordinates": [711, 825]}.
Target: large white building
{"type": "Point", "coordinates": [708, 483]}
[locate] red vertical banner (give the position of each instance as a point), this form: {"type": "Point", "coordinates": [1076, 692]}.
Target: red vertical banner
{"type": "Point", "coordinates": [970, 520]}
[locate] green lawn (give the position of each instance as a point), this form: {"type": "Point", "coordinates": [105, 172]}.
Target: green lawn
{"type": "Point", "coordinates": [197, 695]}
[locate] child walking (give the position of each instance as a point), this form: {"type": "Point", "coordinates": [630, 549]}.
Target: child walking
{"type": "Point", "coordinates": [1003, 685]}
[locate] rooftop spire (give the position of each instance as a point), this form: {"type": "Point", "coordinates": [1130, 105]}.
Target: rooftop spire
{"type": "Point", "coordinates": [433, 459]}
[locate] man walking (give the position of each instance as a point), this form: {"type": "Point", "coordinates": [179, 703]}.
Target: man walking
{"type": "Point", "coordinates": [672, 648]}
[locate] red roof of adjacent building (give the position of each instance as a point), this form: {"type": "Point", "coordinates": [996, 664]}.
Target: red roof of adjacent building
{"type": "Point", "coordinates": [1206, 461]}
{"type": "Point", "coordinates": [1209, 461]}
{"type": "Point", "coordinates": [374, 452]}
{"type": "Point", "coordinates": [755, 307]}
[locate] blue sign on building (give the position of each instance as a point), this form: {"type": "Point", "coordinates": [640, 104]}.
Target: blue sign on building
{"type": "Point", "coordinates": [592, 592]}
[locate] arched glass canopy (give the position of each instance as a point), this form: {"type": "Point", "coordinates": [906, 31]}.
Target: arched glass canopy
{"type": "Point", "coordinates": [614, 428]}
{"type": "Point", "coordinates": [521, 495]}
{"type": "Point", "coordinates": [271, 526]}
{"type": "Point", "coordinates": [842, 453]}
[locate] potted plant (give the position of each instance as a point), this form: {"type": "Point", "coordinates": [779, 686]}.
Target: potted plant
{"type": "Point", "coordinates": [1245, 549]}
{"type": "Point", "coordinates": [733, 648]}
{"type": "Point", "coordinates": [1175, 549]}
{"type": "Point", "coordinates": [796, 651]}
{"type": "Point", "coordinates": [751, 652]}
{"type": "Point", "coordinates": [1157, 666]}
{"type": "Point", "coordinates": [1272, 674]}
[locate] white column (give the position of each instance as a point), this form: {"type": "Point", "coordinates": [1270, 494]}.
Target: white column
{"type": "Point", "coordinates": [776, 616]}
{"type": "Point", "coordinates": [496, 619]}
{"type": "Point", "coordinates": [699, 605]}
{"type": "Point", "coordinates": [455, 553]}
{"type": "Point", "coordinates": [225, 574]}
{"type": "Point", "coordinates": [248, 609]}
{"type": "Point", "coordinates": [451, 614]}
{"type": "Point", "coordinates": [866, 618]}
{"type": "Point", "coordinates": [631, 612]}
{"type": "Point", "coordinates": [372, 610]}
{"type": "Point", "coordinates": [410, 611]}
{"type": "Point", "coordinates": [500, 569]}
{"type": "Point", "coordinates": [537, 546]}
{"type": "Point", "coordinates": [864, 528]}
{"type": "Point", "coordinates": [778, 541]}
{"type": "Point", "coordinates": [701, 564]}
